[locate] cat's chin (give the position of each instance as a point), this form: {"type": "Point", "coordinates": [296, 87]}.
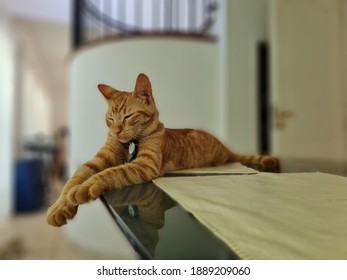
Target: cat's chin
{"type": "Point", "coordinates": [124, 141]}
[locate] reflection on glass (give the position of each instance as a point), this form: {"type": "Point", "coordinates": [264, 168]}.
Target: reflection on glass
{"type": "Point", "coordinates": [159, 228]}
{"type": "Point", "coordinates": [142, 208]}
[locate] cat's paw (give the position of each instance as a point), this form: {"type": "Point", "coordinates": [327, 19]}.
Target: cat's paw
{"type": "Point", "coordinates": [270, 164]}
{"type": "Point", "coordinates": [89, 190]}
{"type": "Point", "coordinates": [61, 211]}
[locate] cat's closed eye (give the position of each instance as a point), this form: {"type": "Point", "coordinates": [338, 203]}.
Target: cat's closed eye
{"type": "Point", "coordinates": [128, 116]}
{"type": "Point", "coordinates": [109, 118]}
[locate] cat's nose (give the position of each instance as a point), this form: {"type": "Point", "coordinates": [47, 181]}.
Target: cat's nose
{"type": "Point", "coordinates": [118, 130]}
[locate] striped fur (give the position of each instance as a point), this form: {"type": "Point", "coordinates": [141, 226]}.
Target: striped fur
{"type": "Point", "coordinates": [134, 116]}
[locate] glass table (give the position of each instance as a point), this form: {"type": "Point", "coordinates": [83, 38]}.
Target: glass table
{"type": "Point", "coordinates": [157, 227]}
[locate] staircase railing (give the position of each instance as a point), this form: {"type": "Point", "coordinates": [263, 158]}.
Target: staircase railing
{"type": "Point", "coordinates": [98, 19]}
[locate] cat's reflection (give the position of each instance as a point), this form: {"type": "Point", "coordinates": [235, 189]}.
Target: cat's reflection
{"type": "Point", "coordinates": [142, 207]}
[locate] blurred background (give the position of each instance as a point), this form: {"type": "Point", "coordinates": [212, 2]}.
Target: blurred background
{"type": "Point", "coordinates": [264, 76]}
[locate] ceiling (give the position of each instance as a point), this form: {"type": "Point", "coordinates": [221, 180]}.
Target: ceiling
{"type": "Point", "coordinates": [51, 10]}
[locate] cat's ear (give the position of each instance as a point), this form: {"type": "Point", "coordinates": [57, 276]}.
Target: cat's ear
{"type": "Point", "coordinates": [143, 88]}
{"type": "Point", "coordinates": [107, 91]}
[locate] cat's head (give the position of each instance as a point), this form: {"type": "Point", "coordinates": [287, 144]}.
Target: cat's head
{"type": "Point", "coordinates": [131, 115]}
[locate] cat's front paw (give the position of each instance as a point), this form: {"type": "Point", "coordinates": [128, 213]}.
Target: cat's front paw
{"type": "Point", "coordinates": [61, 211]}
{"type": "Point", "coordinates": [89, 190]}
{"type": "Point", "coordinates": [270, 164]}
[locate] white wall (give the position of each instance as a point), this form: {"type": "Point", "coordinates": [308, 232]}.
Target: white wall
{"type": "Point", "coordinates": [245, 26]}
{"type": "Point", "coordinates": [42, 76]}
{"type": "Point", "coordinates": [36, 106]}
{"type": "Point", "coordinates": [6, 118]}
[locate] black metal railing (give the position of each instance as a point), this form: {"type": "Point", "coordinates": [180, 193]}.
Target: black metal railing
{"type": "Point", "coordinates": [99, 19]}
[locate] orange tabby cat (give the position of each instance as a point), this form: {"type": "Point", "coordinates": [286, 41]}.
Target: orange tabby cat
{"type": "Point", "coordinates": [133, 117]}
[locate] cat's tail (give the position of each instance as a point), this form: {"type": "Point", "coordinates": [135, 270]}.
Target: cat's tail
{"type": "Point", "coordinates": [265, 162]}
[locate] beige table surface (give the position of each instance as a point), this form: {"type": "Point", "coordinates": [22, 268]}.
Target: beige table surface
{"type": "Point", "coordinates": [266, 215]}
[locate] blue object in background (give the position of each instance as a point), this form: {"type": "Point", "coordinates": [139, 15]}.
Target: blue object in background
{"type": "Point", "coordinates": [29, 185]}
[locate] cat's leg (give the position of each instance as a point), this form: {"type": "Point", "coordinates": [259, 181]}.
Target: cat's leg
{"type": "Point", "coordinates": [145, 168]}
{"type": "Point", "coordinates": [63, 209]}
{"type": "Point", "coordinates": [270, 163]}
{"type": "Point", "coordinates": [265, 162]}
